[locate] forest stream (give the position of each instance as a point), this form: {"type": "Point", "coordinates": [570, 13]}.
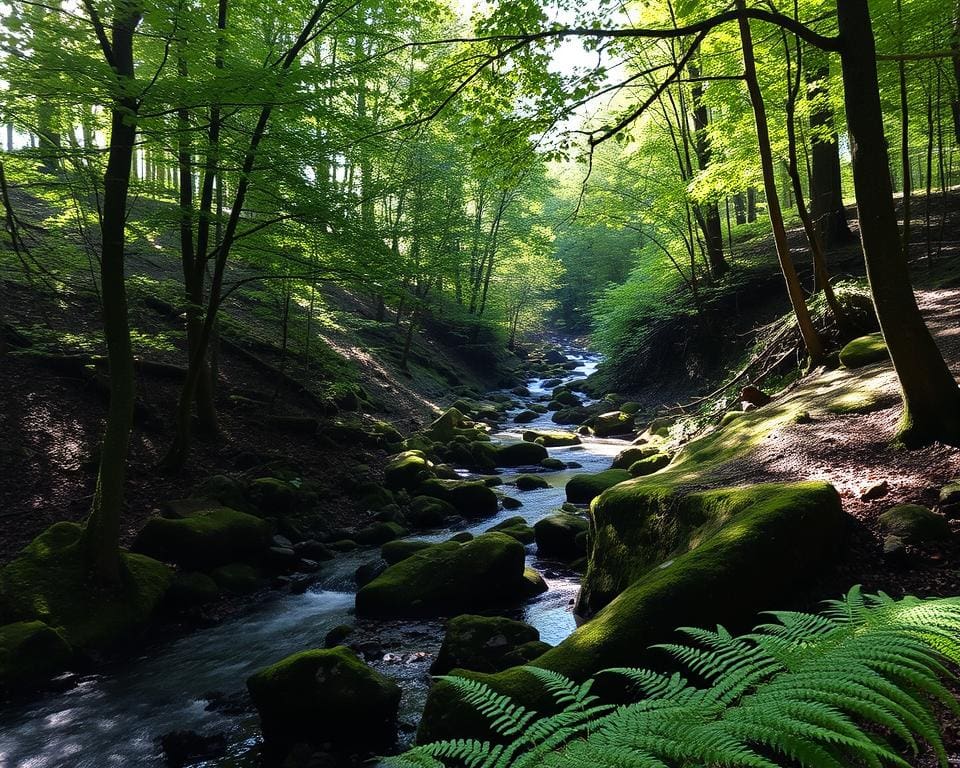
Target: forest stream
{"type": "Point", "coordinates": [115, 717]}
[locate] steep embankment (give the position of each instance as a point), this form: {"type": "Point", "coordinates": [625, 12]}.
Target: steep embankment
{"type": "Point", "coordinates": [312, 377]}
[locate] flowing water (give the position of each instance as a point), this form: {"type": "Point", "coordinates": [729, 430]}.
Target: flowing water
{"type": "Point", "coordinates": [113, 718]}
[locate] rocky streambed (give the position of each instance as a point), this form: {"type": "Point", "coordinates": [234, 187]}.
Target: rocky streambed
{"type": "Point", "coordinates": [194, 686]}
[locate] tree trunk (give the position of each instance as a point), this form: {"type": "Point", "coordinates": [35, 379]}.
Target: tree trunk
{"type": "Point", "coordinates": [931, 398]}
{"type": "Point", "coordinates": [740, 208]}
{"type": "Point", "coordinates": [826, 193]}
{"type": "Point", "coordinates": [811, 338]}
{"type": "Point", "coordinates": [101, 535]}
{"type": "Point", "coordinates": [751, 205]}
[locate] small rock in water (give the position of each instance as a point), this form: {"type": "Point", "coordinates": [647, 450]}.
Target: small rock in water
{"type": "Point", "coordinates": [181, 748]}
{"type": "Point", "coordinates": [237, 703]}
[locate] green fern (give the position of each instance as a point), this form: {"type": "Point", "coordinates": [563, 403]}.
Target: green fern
{"type": "Point", "coordinates": [857, 685]}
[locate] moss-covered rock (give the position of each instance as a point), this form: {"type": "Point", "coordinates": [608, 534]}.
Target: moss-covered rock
{"type": "Point", "coordinates": [520, 455]}
{"type": "Point", "coordinates": [272, 497]}
{"type": "Point", "coordinates": [325, 696]}
{"type": "Point", "coordinates": [190, 590]}
{"type": "Point", "coordinates": [647, 466]}
{"type": "Point", "coordinates": [631, 455]}
{"type": "Point", "coordinates": [530, 482]}
{"type": "Point", "coordinates": [448, 578]}
{"type": "Point", "coordinates": [533, 583]}
{"type": "Point", "coordinates": [469, 498]}
{"type": "Point", "coordinates": [30, 651]}
{"type": "Point", "coordinates": [48, 581]}
{"type": "Point", "coordinates": [407, 470]}
{"type": "Point", "coordinates": [379, 533]}
{"type": "Point", "coordinates": [583, 488]}
{"type": "Point", "coordinates": [516, 527]}
{"type": "Point", "coordinates": [864, 350]}
{"type": "Point", "coordinates": [662, 560]}
{"type": "Point", "coordinates": [238, 578]}
{"type": "Point", "coordinates": [394, 551]}
{"type": "Point", "coordinates": [914, 524]}
{"type": "Point", "coordinates": [552, 464]}
{"type": "Point", "coordinates": [575, 415]}
{"type": "Point", "coordinates": [481, 643]}
{"type": "Point", "coordinates": [429, 512]}
{"type": "Point", "coordinates": [205, 539]}
{"type": "Point", "coordinates": [612, 423]}
{"type": "Point", "coordinates": [525, 417]}
{"type": "Point", "coordinates": [551, 439]}
{"type": "Point", "coordinates": [226, 491]}
{"type": "Point", "coordinates": [372, 496]}
{"type": "Point", "coordinates": [558, 536]}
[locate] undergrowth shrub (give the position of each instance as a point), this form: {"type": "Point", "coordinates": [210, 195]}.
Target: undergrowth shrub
{"type": "Point", "coordinates": [859, 685]}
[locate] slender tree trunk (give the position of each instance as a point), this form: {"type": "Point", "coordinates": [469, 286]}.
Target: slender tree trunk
{"type": "Point", "coordinates": [751, 205]}
{"type": "Point", "coordinates": [101, 535]}
{"type": "Point", "coordinates": [826, 193]}
{"type": "Point", "coordinates": [712, 228]}
{"type": "Point", "coordinates": [931, 398]}
{"type": "Point", "coordinates": [811, 338]}
{"type": "Point", "coordinates": [904, 140]}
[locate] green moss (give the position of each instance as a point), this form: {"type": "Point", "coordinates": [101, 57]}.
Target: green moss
{"type": "Point", "coordinates": [272, 497]}
{"type": "Point", "coordinates": [612, 423]}
{"type": "Point", "coordinates": [29, 652]}
{"type": "Point", "coordinates": [189, 590]}
{"type": "Point", "coordinates": [519, 455]}
{"type": "Point", "coordinates": [429, 512]}
{"type": "Point", "coordinates": [530, 482]}
{"type": "Point", "coordinates": [239, 578]}
{"type": "Point", "coordinates": [583, 488]}
{"type": "Point", "coordinates": [864, 350]}
{"type": "Point", "coordinates": [48, 582]}
{"type": "Point", "coordinates": [551, 439]}
{"type": "Point", "coordinates": [324, 695]}
{"type": "Point", "coordinates": [372, 496]}
{"type": "Point", "coordinates": [857, 402]}
{"type": "Point", "coordinates": [379, 533]}
{"type": "Point", "coordinates": [516, 527]}
{"type": "Point", "coordinates": [631, 455]}
{"type": "Point", "coordinates": [407, 470]}
{"type": "Point", "coordinates": [205, 539]}
{"type": "Point", "coordinates": [650, 464]}
{"type": "Point", "coordinates": [447, 579]}
{"type": "Point", "coordinates": [915, 524]}
{"type": "Point", "coordinates": [731, 553]}
{"type": "Point", "coordinates": [558, 536]}
{"type": "Point", "coordinates": [395, 551]}
{"type": "Point", "coordinates": [470, 499]}
{"type": "Point", "coordinates": [481, 643]}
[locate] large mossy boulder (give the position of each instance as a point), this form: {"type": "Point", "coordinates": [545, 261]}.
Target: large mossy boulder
{"type": "Point", "coordinates": [205, 539]}
{"type": "Point", "coordinates": [864, 350]}
{"type": "Point", "coordinates": [662, 560]}
{"type": "Point", "coordinates": [49, 582]}
{"type": "Point", "coordinates": [325, 696]}
{"type": "Point", "coordinates": [394, 551]}
{"type": "Point", "coordinates": [519, 455]}
{"type": "Point", "coordinates": [914, 524]}
{"type": "Point", "coordinates": [470, 498]}
{"type": "Point", "coordinates": [530, 482]}
{"type": "Point", "coordinates": [272, 497]}
{"type": "Point", "coordinates": [30, 651]}
{"type": "Point", "coordinates": [559, 537]}
{"type": "Point", "coordinates": [481, 643]}
{"type": "Point", "coordinates": [405, 471]}
{"type": "Point", "coordinates": [585, 487]}
{"type": "Point", "coordinates": [551, 439]}
{"type": "Point", "coordinates": [447, 579]}
{"type": "Point", "coordinates": [379, 533]}
{"type": "Point", "coordinates": [574, 415]}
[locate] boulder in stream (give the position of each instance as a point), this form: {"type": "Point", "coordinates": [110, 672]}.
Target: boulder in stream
{"type": "Point", "coordinates": [470, 498]}
{"type": "Point", "coordinates": [520, 454]}
{"type": "Point", "coordinates": [325, 696]}
{"type": "Point", "coordinates": [481, 643]}
{"type": "Point", "coordinates": [551, 439]}
{"type": "Point", "coordinates": [559, 537]}
{"type": "Point", "coordinates": [583, 488]}
{"type": "Point", "coordinates": [447, 579]}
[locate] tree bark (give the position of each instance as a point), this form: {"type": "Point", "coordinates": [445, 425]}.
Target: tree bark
{"type": "Point", "coordinates": [826, 193]}
{"type": "Point", "coordinates": [931, 398]}
{"type": "Point", "coordinates": [808, 331]}
{"type": "Point", "coordinates": [101, 535]}
{"type": "Point", "coordinates": [712, 228]}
